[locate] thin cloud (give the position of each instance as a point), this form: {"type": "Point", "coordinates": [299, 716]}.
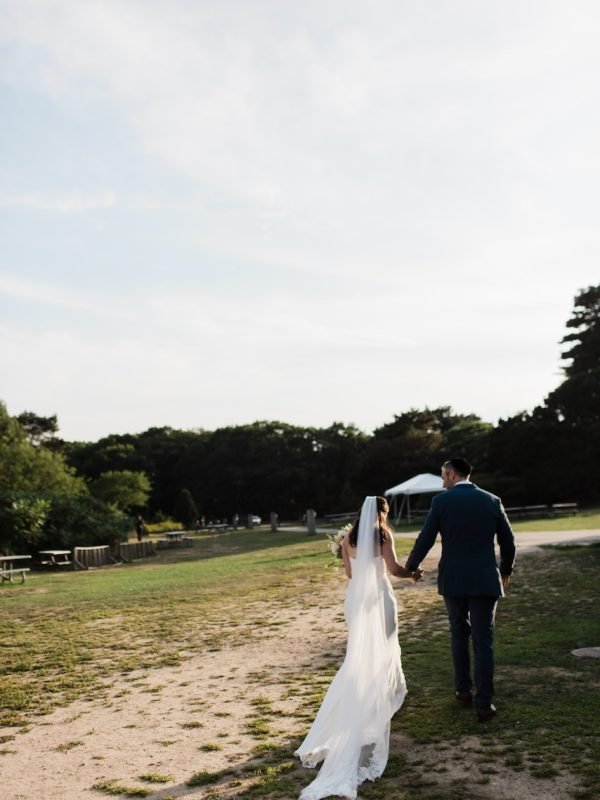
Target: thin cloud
{"type": "Point", "coordinates": [60, 203]}
{"type": "Point", "coordinates": [45, 294]}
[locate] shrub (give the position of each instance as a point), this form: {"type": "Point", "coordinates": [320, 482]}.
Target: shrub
{"type": "Point", "coordinates": [22, 519]}
{"type": "Point", "coordinates": [163, 525]}
{"type": "Point", "coordinates": [82, 521]}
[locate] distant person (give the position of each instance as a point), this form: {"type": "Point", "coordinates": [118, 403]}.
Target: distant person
{"type": "Point", "coordinates": [468, 519]}
{"type": "Point", "coordinates": [351, 731]}
{"type": "Point", "coordinates": [140, 528]}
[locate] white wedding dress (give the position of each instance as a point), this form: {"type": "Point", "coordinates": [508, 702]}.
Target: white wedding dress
{"type": "Point", "coordinates": [351, 731]}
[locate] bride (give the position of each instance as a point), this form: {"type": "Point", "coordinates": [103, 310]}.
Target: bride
{"type": "Point", "coordinates": [351, 731]}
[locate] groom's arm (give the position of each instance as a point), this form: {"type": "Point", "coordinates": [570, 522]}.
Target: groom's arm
{"type": "Point", "coordinates": [506, 541]}
{"type": "Point", "coordinates": [425, 539]}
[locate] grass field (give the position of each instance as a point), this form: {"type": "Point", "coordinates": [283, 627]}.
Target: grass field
{"type": "Point", "coordinates": [587, 519]}
{"type": "Point", "coordinates": [63, 634]}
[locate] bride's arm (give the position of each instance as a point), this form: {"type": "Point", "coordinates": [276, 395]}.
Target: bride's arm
{"type": "Point", "coordinates": [346, 557]}
{"type": "Point", "coordinates": [388, 551]}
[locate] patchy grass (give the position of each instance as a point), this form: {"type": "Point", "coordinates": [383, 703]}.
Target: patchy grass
{"type": "Point", "coordinates": [118, 789]}
{"type": "Point", "coordinates": [155, 777]}
{"type": "Point", "coordinates": [62, 634]}
{"type": "Point", "coordinates": [548, 700]}
{"type": "Point", "coordinates": [205, 778]}
{"type": "Point", "coordinates": [64, 748]}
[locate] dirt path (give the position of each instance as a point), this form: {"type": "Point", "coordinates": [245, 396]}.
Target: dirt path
{"type": "Point", "coordinates": [173, 721]}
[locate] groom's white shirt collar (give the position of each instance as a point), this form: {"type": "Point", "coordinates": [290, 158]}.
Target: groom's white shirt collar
{"type": "Point", "coordinates": [458, 483]}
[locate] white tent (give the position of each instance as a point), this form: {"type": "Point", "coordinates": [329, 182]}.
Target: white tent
{"type": "Point", "coordinates": [425, 483]}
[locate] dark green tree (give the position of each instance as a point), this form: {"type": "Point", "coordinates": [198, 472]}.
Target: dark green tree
{"type": "Point", "coordinates": [38, 429]}
{"type": "Point", "coordinates": [124, 490]}
{"type": "Point", "coordinates": [27, 468]}
{"type": "Point", "coordinates": [158, 452]}
{"type": "Point", "coordinates": [42, 501]}
{"type": "Point", "coordinates": [577, 400]}
{"type": "Point", "coordinates": [419, 441]}
{"type": "Point", "coordinates": [549, 455]}
{"type": "Point", "coordinates": [186, 510]}
{"type": "Point", "coordinates": [82, 521]}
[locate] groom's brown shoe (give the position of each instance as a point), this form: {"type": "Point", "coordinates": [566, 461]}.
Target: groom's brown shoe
{"type": "Point", "coordinates": [465, 699]}
{"type": "Point", "coordinates": [485, 714]}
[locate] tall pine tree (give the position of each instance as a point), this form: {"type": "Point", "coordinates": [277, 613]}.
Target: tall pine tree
{"type": "Point", "coordinates": [577, 400]}
{"type": "Point", "coordinates": [186, 510]}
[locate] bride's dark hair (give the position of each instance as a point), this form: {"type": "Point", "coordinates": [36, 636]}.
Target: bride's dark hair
{"type": "Point", "coordinates": [385, 532]}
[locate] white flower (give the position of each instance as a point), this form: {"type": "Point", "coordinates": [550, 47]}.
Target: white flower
{"type": "Point", "coordinates": [336, 539]}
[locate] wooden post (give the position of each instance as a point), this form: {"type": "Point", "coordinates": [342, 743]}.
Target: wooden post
{"type": "Point", "coordinates": [401, 509]}
{"type": "Point", "coordinates": [311, 521]}
{"type": "Point", "coordinates": [274, 521]}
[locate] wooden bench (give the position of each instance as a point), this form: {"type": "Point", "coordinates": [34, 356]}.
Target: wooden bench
{"type": "Point", "coordinates": [555, 510]}
{"type": "Point", "coordinates": [562, 509]}
{"type": "Point", "coordinates": [55, 558]}
{"type": "Point", "coordinates": [7, 574]}
{"type": "Point", "coordinates": [528, 511]}
{"type": "Point", "coordinates": [340, 517]}
{"type": "Point", "coordinates": [99, 556]}
{"type": "Point", "coordinates": [7, 568]}
{"type": "Point", "coordinates": [177, 541]}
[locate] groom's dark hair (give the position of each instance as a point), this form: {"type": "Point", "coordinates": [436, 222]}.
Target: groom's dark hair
{"type": "Point", "coordinates": [459, 465]}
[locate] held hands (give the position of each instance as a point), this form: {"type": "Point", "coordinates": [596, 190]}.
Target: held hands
{"type": "Point", "coordinates": [416, 575]}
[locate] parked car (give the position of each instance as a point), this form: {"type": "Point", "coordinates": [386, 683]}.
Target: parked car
{"type": "Point", "coordinates": [244, 520]}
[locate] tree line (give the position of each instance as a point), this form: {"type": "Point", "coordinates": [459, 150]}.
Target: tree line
{"type": "Point", "coordinates": [545, 455]}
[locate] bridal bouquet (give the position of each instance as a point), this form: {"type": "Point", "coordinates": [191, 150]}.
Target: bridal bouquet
{"type": "Point", "coordinates": [336, 539]}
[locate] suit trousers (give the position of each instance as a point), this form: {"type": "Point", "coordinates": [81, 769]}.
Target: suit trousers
{"type": "Point", "coordinates": [473, 616]}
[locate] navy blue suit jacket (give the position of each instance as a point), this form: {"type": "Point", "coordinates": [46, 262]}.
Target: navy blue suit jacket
{"type": "Point", "coordinates": [468, 519]}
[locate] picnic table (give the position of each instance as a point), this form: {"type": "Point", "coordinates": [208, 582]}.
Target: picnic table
{"type": "Point", "coordinates": [55, 558]}
{"type": "Point", "coordinates": [8, 569]}
{"type": "Point", "coordinates": [175, 539]}
{"type": "Point", "coordinates": [174, 536]}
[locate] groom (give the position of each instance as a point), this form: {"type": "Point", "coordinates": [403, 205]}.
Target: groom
{"type": "Point", "coordinates": [468, 519]}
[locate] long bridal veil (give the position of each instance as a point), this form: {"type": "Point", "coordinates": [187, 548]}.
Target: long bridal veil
{"type": "Point", "coordinates": [350, 734]}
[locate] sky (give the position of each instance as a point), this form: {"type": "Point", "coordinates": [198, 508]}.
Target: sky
{"type": "Point", "coordinates": [216, 213]}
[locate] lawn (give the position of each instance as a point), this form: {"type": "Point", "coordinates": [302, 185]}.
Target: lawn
{"type": "Point", "coordinates": [63, 634]}
{"type": "Point", "coordinates": [586, 519]}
